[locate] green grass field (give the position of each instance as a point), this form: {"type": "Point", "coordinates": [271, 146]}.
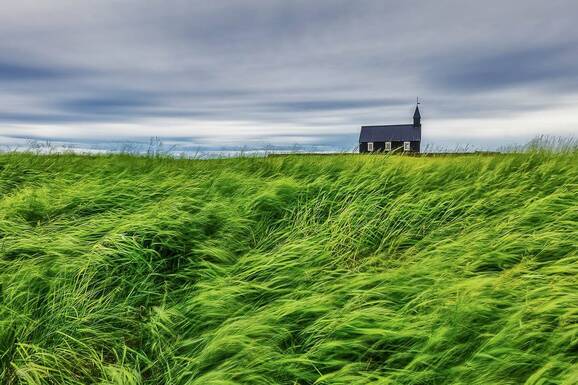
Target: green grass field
{"type": "Point", "coordinates": [289, 270]}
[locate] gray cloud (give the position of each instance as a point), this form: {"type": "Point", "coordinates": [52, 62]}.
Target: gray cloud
{"type": "Point", "coordinates": [14, 72]}
{"type": "Point", "coordinates": [483, 71]}
{"type": "Point", "coordinates": [121, 104]}
{"type": "Point", "coordinates": [279, 72]}
{"type": "Point", "coordinates": [332, 105]}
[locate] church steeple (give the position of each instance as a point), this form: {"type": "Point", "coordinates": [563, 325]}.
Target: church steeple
{"type": "Point", "coordinates": [417, 116]}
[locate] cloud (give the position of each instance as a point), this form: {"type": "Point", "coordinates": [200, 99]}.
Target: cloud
{"type": "Point", "coordinates": [128, 104]}
{"type": "Point", "coordinates": [13, 72]}
{"type": "Point", "coordinates": [332, 105]}
{"type": "Point", "coordinates": [483, 71]}
{"type": "Point", "coordinates": [230, 73]}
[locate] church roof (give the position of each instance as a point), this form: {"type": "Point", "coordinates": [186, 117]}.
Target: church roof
{"type": "Point", "coordinates": [390, 133]}
{"type": "Point", "coordinates": [416, 114]}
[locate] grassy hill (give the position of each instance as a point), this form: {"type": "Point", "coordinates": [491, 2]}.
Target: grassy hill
{"type": "Point", "coordinates": [290, 270]}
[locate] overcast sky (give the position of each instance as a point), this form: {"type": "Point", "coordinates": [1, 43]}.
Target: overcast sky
{"type": "Point", "coordinates": [270, 72]}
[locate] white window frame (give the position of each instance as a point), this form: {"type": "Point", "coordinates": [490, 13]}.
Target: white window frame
{"type": "Point", "coordinates": [370, 146]}
{"type": "Point", "coordinates": [406, 146]}
{"type": "Point", "coordinates": [387, 146]}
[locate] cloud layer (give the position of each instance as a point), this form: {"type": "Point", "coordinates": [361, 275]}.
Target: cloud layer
{"type": "Point", "coordinates": [222, 73]}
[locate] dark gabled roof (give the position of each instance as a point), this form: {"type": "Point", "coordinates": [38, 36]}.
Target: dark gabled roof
{"type": "Point", "coordinates": [392, 133]}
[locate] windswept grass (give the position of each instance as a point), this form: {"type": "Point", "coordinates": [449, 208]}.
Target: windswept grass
{"type": "Point", "coordinates": [291, 270]}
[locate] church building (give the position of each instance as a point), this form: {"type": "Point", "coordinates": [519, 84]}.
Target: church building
{"type": "Point", "coordinates": [397, 137]}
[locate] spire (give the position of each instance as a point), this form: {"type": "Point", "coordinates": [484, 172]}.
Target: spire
{"type": "Point", "coordinates": [417, 115]}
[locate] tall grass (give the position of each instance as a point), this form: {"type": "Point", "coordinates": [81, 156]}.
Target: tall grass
{"type": "Point", "coordinates": [289, 270]}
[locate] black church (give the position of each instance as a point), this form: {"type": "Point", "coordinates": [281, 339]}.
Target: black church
{"type": "Point", "coordinates": [397, 137]}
